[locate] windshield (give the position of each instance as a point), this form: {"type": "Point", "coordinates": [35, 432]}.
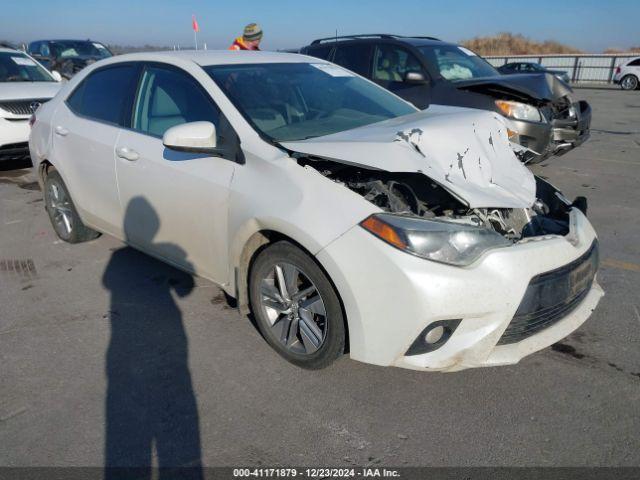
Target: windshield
{"type": "Point", "coordinates": [71, 49]}
{"type": "Point", "coordinates": [17, 67]}
{"type": "Point", "coordinates": [295, 101]}
{"type": "Point", "coordinates": [457, 63]}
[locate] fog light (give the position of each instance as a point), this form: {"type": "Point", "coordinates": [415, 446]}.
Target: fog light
{"type": "Point", "coordinates": [433, 337]}
{"type": "Point", "coordinates": [434, 334]}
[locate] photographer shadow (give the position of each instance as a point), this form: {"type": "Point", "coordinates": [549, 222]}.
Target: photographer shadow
{"type": "Point", "coordinates": [150, 403]}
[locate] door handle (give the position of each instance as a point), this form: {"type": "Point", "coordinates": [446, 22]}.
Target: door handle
{"type": "Point", "coordinates": [63, 132]}
{"type": "Point", "coordinates": [127, 154]}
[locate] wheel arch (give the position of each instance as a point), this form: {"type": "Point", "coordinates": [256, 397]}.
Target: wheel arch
{"type": "Point", "coordinates": [256, 243]}
{"type": "Point", "coordinates": [44, 167]}
{"type": "Point", "coordinates": [631, 75]}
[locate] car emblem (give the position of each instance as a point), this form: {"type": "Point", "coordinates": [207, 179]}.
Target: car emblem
{"type": "Point", "coordinates": [34, 106]}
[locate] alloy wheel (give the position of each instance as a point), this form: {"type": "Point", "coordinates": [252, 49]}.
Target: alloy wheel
{"type": "Point", "coordinates": [59, 205]}
{"type": "Point", "coordinates": [294, 308]}
{"type": "Point", "coordinates": [629, 82]}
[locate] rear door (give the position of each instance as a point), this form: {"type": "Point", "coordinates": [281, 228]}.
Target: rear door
{"type": "Point", "coordinates": [86, 127]}
{"type": "Point", "coordinates": [175, 203]}
{"type": "Point", "coordinates": [390, 65]}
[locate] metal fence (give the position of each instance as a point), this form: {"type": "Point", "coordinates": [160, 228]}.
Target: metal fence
{"type": "Point", "coordinates": [581, 68]}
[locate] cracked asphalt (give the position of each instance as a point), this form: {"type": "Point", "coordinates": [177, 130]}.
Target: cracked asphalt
{"type": "Point", "coordinates": [192, 379]}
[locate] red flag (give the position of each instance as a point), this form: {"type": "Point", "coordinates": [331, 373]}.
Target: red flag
{"type": "Point", "coordinates": [194, 24]}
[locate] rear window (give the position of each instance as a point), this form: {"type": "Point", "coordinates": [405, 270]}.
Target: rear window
{"type": "Point", "coordinates": [106, 94]}
{"type": "Point", "coordinates": [356, 58]}
{"type": "Point", "coordinates": [322, 52]}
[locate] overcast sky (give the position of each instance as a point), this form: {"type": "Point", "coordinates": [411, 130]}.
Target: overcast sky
{"type": "Point", "coordinates": [591, 25]}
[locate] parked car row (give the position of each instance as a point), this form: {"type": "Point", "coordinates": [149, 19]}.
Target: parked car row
{"type": "Point", "coordinates": [344, 217]}
{"type": "Point", "coordinates": [24, 85]}
{"type": "Point", "coordinates": [545, 118]}
{"type": "Point", "coordinates": [27, 80]}
{"type": "Point", "coordinates": [68, 57]}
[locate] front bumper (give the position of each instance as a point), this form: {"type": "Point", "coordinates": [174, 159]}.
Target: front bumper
{"type": "Point", "coordinates": [570, 133]}
{"type": "Point", "coordinates": [536, 136]}
{"type": "Point", "coordinates": [390, 297]}
{"type": "Point", "coordinates": [557, 137]}
{"type": "Point", "coordinates": [14, 135]}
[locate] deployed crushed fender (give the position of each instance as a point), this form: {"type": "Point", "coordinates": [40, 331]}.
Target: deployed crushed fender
{"type": "Point", "coordinates": [466, 151]}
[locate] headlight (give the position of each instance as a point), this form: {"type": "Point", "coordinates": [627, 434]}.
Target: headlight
{"type": "Point", "coordinates": [437, 240]}
{"type": "Point", "coordinates": [519, 111]}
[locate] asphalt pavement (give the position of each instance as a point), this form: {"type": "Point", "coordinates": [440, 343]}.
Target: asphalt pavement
{"type": "Point", "coordinates": [192, 380]}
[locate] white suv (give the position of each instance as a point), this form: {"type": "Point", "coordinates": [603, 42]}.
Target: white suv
{"type": "Point", "coordinates": [627, 75]}
{"type": "Point", "coordinates": [344, 218]}
{"type": "Point", "coordinates": [24, 86]}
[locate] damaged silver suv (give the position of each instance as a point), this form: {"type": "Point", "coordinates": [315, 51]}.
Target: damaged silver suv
{"type": "Point", "coordinates": [544, 115]}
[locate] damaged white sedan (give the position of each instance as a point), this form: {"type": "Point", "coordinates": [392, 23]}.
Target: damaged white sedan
{"type": "Point", "coordinates": [342, 217]}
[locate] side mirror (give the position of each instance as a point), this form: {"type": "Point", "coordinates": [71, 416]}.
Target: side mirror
{"type": "Point", "coordinates": [56, 76]}
{"type": "Point", "coordinates": [415, 78]}
{"type": "Point", "coordinates": [193, 137]}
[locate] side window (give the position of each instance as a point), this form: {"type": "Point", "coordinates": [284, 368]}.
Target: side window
{"type": "Point", "coordinates": [322, 52]}
{"type": "Point", "coordinates": [44, 49]}
{"type": "Point", "coordinates": [34, 48]}
{"type": "Point", "coordinates": [356, 58]}
{"type": "Point", "coordinates": [105, 95]}
{"type": "Point", "coordinates": [168, 98]}
{"type": "Point", "coordinates": [392, 62]}
{"type": "Point", "coordinates": [634, 63]}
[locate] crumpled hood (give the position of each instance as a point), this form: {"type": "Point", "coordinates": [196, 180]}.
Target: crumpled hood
{"type": "Point", "coordinates": [541, 87]}
{"type": "Point", "coordinates": [28, 90]}
{"type": "Point", "coordinates": [467, 151]}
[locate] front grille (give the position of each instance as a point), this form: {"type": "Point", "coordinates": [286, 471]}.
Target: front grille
{"type": "Point", "coordinates": [14, 151]}
{"type": "Point", "coordinates": [551, 296]}
{"type": "Point", "coordinates": [22, 107]}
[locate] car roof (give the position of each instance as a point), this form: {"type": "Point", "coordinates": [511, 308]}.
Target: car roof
{"type": "Point", "coordinates": [88, 40]}
{"type": "Point", "coordinates": [218, 57]}
{"type": "Point", "coordinates": [416, 41]}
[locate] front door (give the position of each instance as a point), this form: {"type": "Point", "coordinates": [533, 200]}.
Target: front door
{"type": "Point", "coordinates": [390, 65]}
{"type": "Point", "coordinates": [174, 203]}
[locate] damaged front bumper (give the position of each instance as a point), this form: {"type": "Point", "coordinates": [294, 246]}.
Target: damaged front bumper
{"type": "Point", "coordinates": [557, 137]}
{"type": "Point", "coordinates": [399, 295]}
{"type": "Point", "coordinates": [572, 132]}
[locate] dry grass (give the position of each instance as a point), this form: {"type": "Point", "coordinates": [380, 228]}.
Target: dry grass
{"type": "Point", "coordinates": [514, 44]}
{"type": "Point", "coordinates": [622, 50]}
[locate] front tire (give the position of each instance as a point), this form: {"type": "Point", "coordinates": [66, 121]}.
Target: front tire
{"type": "Point", "coordinates": [62, 212]}
{"type": "Point", "coordinates": [296, 307]}
{"type": "Point", "coordinates": [629, 82]}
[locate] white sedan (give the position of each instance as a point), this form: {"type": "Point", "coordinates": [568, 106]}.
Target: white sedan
{"type": "Point", "coordinates": [342, 217]}
{"type": "Point", "coordinates": [24, 86]}
{"type": "Point", "coordinates": [627, 75]}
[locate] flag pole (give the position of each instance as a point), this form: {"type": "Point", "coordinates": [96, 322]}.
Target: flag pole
{"type": "Point", "coordinates": [195, 38]}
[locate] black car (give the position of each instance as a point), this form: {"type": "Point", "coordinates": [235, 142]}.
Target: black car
{"type": "Point", "coordinates": [425, 70]}
{"type": "Point", "coordinates": [67, 57]}
{"type": "Point", "coordinates": [531, 67]}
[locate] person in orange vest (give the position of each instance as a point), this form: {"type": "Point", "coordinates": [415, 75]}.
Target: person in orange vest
{"type": "Point", "coordinates": [250, 39]}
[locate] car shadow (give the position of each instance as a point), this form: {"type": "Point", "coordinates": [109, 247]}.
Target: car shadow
{"type": "Point", "coordinates": [7, 165]}
{"type": "Point", "coordinates": [150, 405]}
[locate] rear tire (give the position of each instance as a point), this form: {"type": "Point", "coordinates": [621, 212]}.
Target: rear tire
{"type": "Point", "coordinates": [296, 307]}
{"type": "Point", "coordinates": [62, 212]}
{"type": "Point", "coordinates": [629, 82]}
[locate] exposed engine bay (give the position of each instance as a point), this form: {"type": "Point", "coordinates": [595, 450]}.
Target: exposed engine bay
{"type": "Point", "coordinates": [415, 194]}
